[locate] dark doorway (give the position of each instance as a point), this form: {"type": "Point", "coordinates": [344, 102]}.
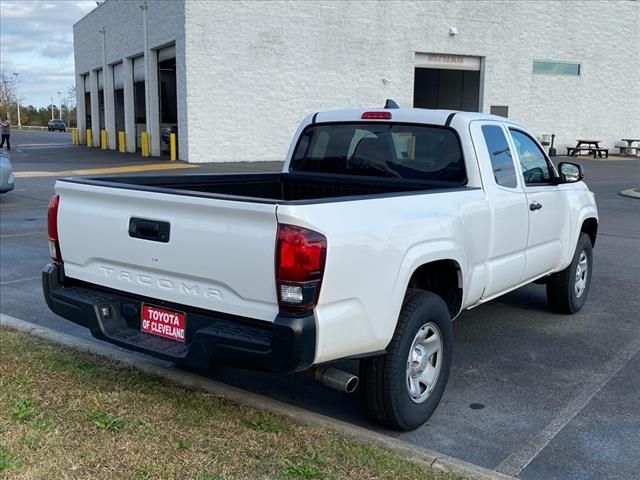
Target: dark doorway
{"type": "Point", "coordinates": [118, 96]}
{"type": "Point", "coordinates": [138, 101]}
{"type": "Point", "coordinates": [87, 108]}
{"type": "Point", "coordinates": [168, 93]}
{"type": "Point", "coordinates": [139, 109]}
{"type": "Point", "coordinates": [101, 109]}
{"type": "Point", "coordinates": [446, 89]}
{"type": "Point", "coordinates": [168, 99]}
{"type": "Point", "coordinates": [119, 110]}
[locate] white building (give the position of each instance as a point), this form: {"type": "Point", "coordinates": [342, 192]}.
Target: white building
{"type": "Point", "coordinates": [237, 77]}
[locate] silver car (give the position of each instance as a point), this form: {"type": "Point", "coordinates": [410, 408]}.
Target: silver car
{"type": "Point", "coordinates": [6, 172]}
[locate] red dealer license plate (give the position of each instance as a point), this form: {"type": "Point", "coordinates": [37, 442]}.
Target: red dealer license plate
{"type": "Point", "coordinates": [163, 323]}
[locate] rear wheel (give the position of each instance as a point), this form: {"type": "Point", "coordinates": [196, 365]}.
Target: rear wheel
{"type": "Point", "coordinates": [403, 388]}
{"type": "Point", "coordinates": [567, 290]}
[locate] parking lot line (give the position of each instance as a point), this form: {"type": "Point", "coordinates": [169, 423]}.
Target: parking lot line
{"type": "Point", "coordinates": [20, 280]}
{"type": "Point", "coordinates": [107, 170]}
{"type": "Point", "coordinates": [518, 460]}
{"type": "Point", "coordinates": [43, 144]}
{"type": "Point", "coordinates": [24, 234]}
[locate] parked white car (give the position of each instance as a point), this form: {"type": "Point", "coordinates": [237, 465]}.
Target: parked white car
{"type": "Point", "coordinates": [383, 226]}
{"type": "Point", "coordinates": [6, 173]}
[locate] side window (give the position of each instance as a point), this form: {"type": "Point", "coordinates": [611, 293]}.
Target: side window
{"type": "Point", "coordinates": [535, 168]}
{"type": "Point", "coordinates": [501, 161]}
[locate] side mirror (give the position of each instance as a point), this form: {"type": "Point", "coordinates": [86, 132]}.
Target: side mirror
{"type": "Point", "coordinates": [570, 172]}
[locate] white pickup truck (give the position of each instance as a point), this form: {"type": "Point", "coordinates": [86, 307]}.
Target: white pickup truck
{"type": "Point", "coordinates": [383, 226]}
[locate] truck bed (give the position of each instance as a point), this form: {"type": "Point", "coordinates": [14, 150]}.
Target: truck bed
{"type": "Point", "coordinates": [268, 187]}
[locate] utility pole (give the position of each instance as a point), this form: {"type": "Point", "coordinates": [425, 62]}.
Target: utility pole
{"type": "Point", "coordinates": [51, 108]}
{"type": "Point", "coordinates": [17, 98]}
{"type": "Point", "coordinates": [108, 95]}
{"type": "Point", "coordinates": [60, 101]}
{"type": "Point", "coordinates": [145, 40]}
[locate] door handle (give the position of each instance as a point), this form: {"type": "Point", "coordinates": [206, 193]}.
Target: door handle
{"type": "Point", "coordinates": [535, 206]}
{"type": "Point", "coordinates": [153, 230]}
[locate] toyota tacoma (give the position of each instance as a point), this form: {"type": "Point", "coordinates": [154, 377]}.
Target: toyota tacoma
{"type": "Point", "coordinates": [382, 227]}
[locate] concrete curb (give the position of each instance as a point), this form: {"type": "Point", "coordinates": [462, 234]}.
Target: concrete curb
{"type": "Point", "coordinates": [406, 450]}
{"type": "Point", "coordinates": [630, 193]}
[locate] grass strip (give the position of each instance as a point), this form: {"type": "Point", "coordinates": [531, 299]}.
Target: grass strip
{"type": "Point", "coordinates": [65, 414]}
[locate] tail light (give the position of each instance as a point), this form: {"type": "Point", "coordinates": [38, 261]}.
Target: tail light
{"type": "Point", "coordinates": [52, 223]}
{"type": "Point", "coordinates": [300, 260]}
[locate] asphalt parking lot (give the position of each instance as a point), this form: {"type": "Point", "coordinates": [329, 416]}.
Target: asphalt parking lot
{"type": "Point", "coordinates": [531, 394]}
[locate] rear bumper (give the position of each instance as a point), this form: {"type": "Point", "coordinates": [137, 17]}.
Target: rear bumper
{"type": "Point", "coordinates": [286, 345]}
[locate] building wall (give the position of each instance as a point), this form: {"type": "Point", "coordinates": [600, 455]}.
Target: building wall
{"type": "Point", "coordinates": [254, 69]}
{"type": "Point", "coordinates": [122, 20]}
{"type": "Point", "coordinates": [249, 71]}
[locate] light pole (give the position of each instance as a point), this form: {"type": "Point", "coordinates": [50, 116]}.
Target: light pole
{"type": "Point", "coordinates": [51, 108]}
{"type": "Point", "coordinates": [17, 98]}
{"type": "Point", "coordinates": [60, 101]}
{"type": "Point", "coordinates": [147, 93]}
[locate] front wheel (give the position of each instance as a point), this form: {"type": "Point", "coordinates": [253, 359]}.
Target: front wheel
{"type": "Point", "coordinates": [567, 290]}
{"type": "Point", "coordinates": [403, 388]}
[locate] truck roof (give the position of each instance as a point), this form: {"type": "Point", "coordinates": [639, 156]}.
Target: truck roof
{"type": "Point", "coordinates": [408, 115]}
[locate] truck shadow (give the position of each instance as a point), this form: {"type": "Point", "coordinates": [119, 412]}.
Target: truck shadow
{"type": "Point", "coordinates": [471, 332]}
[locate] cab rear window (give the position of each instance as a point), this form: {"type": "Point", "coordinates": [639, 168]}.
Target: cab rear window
{"type": "Point", "coordinates": [405, 151]}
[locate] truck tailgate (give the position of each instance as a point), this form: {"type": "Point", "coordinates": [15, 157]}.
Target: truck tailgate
{"type": "Point", "coordinates": [219, 255]}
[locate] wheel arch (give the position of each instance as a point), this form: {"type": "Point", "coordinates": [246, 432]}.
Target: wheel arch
{"type": "Point", "coordinates": [437, 267]}
{"type": "Point", "coordinates": [587, 222]}
{"type": "Point", "coordinates": [590, 227]}
{"type": "Point", "coordinates": [442, 277]}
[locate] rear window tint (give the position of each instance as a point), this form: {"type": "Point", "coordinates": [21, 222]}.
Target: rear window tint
{"type": "Point", "coordinates": [416, 152]}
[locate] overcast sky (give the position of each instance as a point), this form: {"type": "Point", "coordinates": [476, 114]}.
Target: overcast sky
{"type": "Point", "coordinates": [36, 40]}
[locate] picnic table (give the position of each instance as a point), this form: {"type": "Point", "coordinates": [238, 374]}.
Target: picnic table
{"type": "Point", "coordinates": [626, 150]}
{"type": "Point", "coordinates": [589, 146]}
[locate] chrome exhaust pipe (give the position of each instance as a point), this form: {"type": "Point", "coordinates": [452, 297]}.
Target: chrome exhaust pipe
{"type": "Point", "coordinates": [336, 379]}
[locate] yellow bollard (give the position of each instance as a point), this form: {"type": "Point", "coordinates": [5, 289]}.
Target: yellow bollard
{"type": "Point", "coordinates": [89, 142]}
{"type": "Point", "coordinates": [103, 139]}
{"type": "Point", "coordinates": [172, 146]}
{"type": "Point", "coordinates": [74, 140]}
{"type": "Point", "coordinates": [144, 139]}
{"type": "Point", "coordinates": [121, 142]}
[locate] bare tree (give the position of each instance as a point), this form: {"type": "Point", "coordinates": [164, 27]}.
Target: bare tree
{"type": "Point", "coordinates": [8, 87]}
{"type": "Point", "coordinates": [71, 96]}
{"type": "Point", "coordinates": [71, 105]}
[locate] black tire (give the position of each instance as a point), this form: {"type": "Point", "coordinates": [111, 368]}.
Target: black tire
{"type": "Point", "coordinates": [562, 294]}
{"type": "Point", "coordinates": [384, 382]}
